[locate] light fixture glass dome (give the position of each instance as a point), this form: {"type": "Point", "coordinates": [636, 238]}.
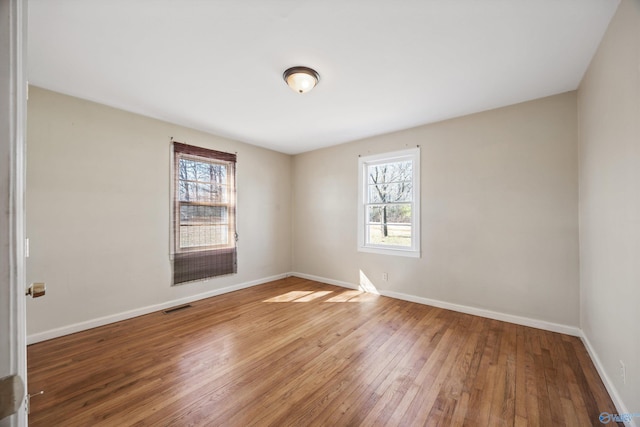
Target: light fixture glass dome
{"type": "Point", "coordinates": [301, 79]}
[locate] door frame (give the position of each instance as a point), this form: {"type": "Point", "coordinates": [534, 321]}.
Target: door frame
{"type": "Point", "coordinates": [13, 94]}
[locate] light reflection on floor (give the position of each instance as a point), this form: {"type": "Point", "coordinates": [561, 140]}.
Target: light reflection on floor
{"type": "Point", "coordinates": [307, 296]}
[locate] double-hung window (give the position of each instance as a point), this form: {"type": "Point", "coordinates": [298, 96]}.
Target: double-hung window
{"type": "Point", "coordinates": [389, 203]}
{"type": "Point", "coordinates": [204, 213]}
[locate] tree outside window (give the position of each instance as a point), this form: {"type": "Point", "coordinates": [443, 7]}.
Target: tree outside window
{"type": "Point", "coordinates": [388, 218]}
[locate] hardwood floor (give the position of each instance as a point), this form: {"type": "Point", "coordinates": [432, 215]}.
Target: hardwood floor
{"type": "Point", "coordinates": [296, 353]}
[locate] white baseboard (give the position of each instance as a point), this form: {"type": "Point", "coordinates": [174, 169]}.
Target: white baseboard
{"type": "Point", "coordinates": [101, 321]}
{"type": "Point", "coordinates": [613, 391]}
{"type": "Point", "coordinates": [511, 318]}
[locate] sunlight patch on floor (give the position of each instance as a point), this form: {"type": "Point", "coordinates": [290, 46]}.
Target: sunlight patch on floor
{"type": "Point", "coordinates": [289, 296]}
{"type": "Point", "coordinates": [315, 295]}
{"type": "Point", "coordinates": [352, 296]}
{"type": "Point", "coordinates": [308, 296]}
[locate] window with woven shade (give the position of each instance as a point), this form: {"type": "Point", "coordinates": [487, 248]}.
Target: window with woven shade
{"type": "Point", "coordinates": [204, 215]}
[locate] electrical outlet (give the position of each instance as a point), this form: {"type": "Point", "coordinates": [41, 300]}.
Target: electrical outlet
{"type": "Point", "coordinates": [385, 276]}
{"type": "Point", "coordinates": [623, 372]}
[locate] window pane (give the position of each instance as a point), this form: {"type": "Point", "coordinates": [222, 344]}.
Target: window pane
{"type": "Point", "coordinates": [203, 235]}
{"type": "Point", "coordinates": [390, 193]}
{"type": "Point", "coordinates": [192, 215]}
{"type": "Point", "coordinates": [219, 173]}
{"type": "Point", "coordinates": [200, 192]}
{"type": "Point", "coordinates": [203, 192]}
{"type": "Point", "coordinates": [219, 193]}
{"type": "Point", "coordinates": [193, 170]}
{"type": "Point", "coordinates": [211, 172]}
{"type": "Point", "coordinates": [187, 169]}
{"type": "Point", "coordinates": [390, 234]}
{"type": "Point", "coordinates": [202, 171]}
{"type": "Point", "coordinates": [187, 191]}
{"type": "Point", "coordinates": [390, 172]}
{"type": "Point", "coordinates": [203, 226]}
{"type": "Point", "coordinates": [390, 214]}
{"type": "Point", "coordinates": [206, 193]}
{"type": "Point", "coordinates": [374, 214]}
{"type": "Point", "coordinates": [201, 181]}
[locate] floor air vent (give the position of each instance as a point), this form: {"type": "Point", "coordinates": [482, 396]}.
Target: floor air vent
{"type": "Point", "coordinates": [176, 308]}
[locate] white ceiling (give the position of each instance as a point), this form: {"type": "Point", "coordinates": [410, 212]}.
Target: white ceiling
{"type": "Point", "coordinates": [384, 65]}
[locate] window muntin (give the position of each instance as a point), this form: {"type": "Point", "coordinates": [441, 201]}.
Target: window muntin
{"type": "Point", "coordinates": [389, 203]}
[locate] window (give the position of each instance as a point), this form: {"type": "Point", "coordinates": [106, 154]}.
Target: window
{"type": "Point", "coordinates": [389, 203]}
{"type": "Point", "coordinates": [204, 213]}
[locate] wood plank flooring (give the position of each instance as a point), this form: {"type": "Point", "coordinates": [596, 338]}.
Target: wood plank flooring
{"type": "Point", "coordinates": [296, 353]}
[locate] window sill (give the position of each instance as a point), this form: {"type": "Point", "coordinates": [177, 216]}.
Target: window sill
{"type": "Point", "coordinates": [388, 251]}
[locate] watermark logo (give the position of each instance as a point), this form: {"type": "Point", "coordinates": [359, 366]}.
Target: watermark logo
{"type": "Point", "coordinates": [606, 418]}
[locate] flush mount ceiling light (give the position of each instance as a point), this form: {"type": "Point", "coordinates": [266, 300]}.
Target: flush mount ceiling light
{"type": "Point", "coordinates": [301, 79]}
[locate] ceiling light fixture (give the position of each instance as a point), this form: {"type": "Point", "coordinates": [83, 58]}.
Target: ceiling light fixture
{"type": "Point", "coordinates": [301, 79]}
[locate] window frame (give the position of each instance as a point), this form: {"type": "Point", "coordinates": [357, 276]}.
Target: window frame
{"type": "Point", "coordinates": [412, 154]}
{"type": "Point", "coordinates": [199, 263]}
{"type": "Point", "coordinates": [229, 204]}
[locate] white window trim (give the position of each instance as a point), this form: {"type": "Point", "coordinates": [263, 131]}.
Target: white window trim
{"type": "Point", "coordinates": [176, 209]}
{"type": "Point", "coordinates": [414, 155]}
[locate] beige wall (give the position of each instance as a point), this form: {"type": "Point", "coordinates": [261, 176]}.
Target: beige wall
{"type": "Point", "coordinates": [609, 117]}
{"type": "Point", "coordinates": [499, 212]}
{"type": "Point", "coordinates": [98, 206]}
